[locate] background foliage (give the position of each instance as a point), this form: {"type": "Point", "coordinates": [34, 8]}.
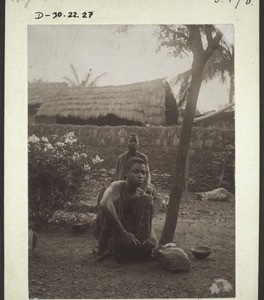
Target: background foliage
{"type": "Point", "coordinates": [56, 169]}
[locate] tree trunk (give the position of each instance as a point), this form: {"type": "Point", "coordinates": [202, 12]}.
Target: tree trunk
{"type": "Point", "coordinates": [184, 142]}
{"type": "Point", "coordinates": [186, 175]}
{"type": "Point", "coordinates": [222, 171]}
{"type": "Point", "coordinates": [231, 90]}
{"type": "Point", "coordinates": [200, 57]}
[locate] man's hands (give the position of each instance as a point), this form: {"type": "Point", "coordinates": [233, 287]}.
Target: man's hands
{"type": "Point", "coordinates": [129, 239]}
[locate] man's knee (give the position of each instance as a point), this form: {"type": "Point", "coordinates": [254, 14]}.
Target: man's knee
{"type": "Point", "coordinates": [100, 196]}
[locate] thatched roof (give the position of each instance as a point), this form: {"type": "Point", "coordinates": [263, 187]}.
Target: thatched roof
{"type": "Point", "coordinates": [39, 92]}
{"type": "Point", "coordinates": [145, 102]}
{"type": "Point", "coordinates": [219, 116]}
{"type": "Point", "coordinates": [224, 119]}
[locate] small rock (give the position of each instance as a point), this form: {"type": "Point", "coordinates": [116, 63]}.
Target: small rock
{"type": "Point", "coordinates": [183, 213]}
{"type": "Point", "coordinates": [220, 194]}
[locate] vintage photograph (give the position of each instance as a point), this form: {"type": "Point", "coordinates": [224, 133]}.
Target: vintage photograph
{"type": "Point", "coordinates": [131, 161]}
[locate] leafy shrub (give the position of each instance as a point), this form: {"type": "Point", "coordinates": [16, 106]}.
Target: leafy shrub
{"type": "Point", "coordinates": [56, 169]}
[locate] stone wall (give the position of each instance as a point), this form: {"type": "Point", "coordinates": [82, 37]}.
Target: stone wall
{"type": "Point", "coordinates": [160, 145]}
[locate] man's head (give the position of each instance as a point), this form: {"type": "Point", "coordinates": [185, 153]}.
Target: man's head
{"type": "Point", "coordinates": [136, 171]}
{"type": "Point", "coordinates": [132, 142]}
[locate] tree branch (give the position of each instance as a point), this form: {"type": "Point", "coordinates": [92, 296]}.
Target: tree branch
{"type": "Point", "coordinates": [208, 33]}
{"type": "Point", "coordinates": [213, 43]}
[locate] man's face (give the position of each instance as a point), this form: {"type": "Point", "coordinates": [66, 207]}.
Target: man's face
{"type": "Point", "coordinates": [137, 174]}
{"type": "Point", "coordinates": [132, 143]}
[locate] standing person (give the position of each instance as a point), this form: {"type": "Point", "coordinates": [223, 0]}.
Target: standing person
{"type": "Point", "coordinates": [124, 217]}
{"type": "Point", "coordinates": [133, 145]}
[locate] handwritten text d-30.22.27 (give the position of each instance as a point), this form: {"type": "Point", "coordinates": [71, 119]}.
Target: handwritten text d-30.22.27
{"type": "Point", "coordinates": [59, 14]}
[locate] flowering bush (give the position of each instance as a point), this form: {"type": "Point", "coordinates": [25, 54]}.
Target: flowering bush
{"type": "Point", "coordinates": [57, 167]}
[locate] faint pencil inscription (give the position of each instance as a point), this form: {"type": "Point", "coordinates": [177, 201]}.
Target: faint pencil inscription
{"type": "Point", "coordinates": [26, 2]}
{"type": "Point", "coordinates": [237, 2]}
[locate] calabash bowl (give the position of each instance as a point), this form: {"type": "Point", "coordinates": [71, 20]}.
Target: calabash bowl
{"type": "Point", "coordinates": [201, 251]}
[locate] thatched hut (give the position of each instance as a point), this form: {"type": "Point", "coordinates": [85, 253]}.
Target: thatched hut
{"type": "Point", "coordinates": [139, 104]}
{"type": "Point", "coordinates": [40, 92]}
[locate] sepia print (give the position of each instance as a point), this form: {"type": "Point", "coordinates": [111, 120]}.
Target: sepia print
{"type": "Point", "coordinates": [131, 161]}
{"type": "Point", "coordinates": [131, 149]}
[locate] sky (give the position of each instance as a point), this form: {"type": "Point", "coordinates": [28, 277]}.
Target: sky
{"type": "Point", "coordinates": [124, 58]}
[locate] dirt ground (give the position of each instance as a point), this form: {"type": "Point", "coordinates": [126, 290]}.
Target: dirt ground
{"type": "Point", "coordinates": [59, 267]}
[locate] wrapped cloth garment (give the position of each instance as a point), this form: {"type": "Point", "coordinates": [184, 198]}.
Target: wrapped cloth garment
{"type": "Point", "coordinates": [136, 217]}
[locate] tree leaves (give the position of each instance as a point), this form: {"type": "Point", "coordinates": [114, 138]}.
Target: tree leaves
{"type": "Point", "coordinates": [220, 64]}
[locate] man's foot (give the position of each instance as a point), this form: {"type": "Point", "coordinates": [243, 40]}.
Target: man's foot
{"type": "Point", "coordinates": [110, 261]}
{"type": "Point", "coordinates": [92, 259]}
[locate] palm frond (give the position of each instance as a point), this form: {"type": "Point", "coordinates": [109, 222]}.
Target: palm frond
{"type": "Point", "coordinates": [183, 94]}
{"type": "Point", "coordinates": [181, 78]}
{"type": "Point", "coordinates": [93, 82]}
{"type": "Point", "coordinates": [220, 63]}
{"type": "Point", "coordinates": [215, 66]}
{"type": "Point", "coordinates": [75, 74]}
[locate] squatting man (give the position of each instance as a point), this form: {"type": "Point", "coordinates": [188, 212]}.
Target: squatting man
{"type": "Point", "coordinates": [124, 218]}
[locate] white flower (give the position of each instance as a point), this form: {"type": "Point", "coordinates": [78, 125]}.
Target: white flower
{"type": "Point", "coordinates": [70, 135]}
{"type": "Point", "coordinates": [97, 160]}
{"type": "Point", "coordinates": [48, 146]}
{"type": "Point", "coordinates": [83, 155]}
{"type": "Point", "coordinates": [44, 139]}
{"type": "Point", "coordinates": [59, 144]}
{"type": "Point", "coordinates": [33, 139]}
{"type": "Point", "coordinates": [220, 285]}
{"type": "Point", "coordinates": [76, 156]}
{"type": "Point", "coordinates": [70, 138]}
{"type": "Point", "coordinates": [70, 141]}
{"type": "Point", "coordinates": [87, 168]}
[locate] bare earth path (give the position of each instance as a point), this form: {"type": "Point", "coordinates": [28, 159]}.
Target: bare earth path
{"type": "Point", "coordinates": [59, 268]}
